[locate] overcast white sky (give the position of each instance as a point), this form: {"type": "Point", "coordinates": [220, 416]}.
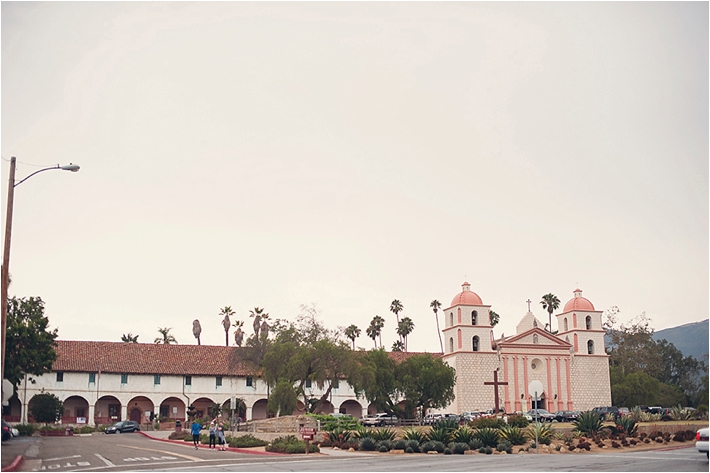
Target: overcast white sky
{"type": "Point", "coordinates": [347, 154]}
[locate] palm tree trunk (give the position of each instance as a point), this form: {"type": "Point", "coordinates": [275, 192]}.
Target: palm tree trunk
{"type": "Point", "coordinates": [226, 338]}
{"type": "Point", "coordinates": [439, 332]}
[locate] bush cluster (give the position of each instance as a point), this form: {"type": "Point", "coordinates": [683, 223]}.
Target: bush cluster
{"type": "Point", "coordinates": [290, 444]}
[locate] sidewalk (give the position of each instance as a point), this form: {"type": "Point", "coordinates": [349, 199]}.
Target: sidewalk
{"type": "Point", "coordinates": [19, 446]}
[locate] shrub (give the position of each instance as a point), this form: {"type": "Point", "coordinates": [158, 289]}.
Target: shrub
{"type": "Point", "coordinates": [414, 434]}
{"type": "Point", "coordinates": [383, 434]}
{"type": "Point", "coordinates": [446, 424]}
{"type": "Point", "coordinates": [462, 435]}
{"type": "Point", "coordinates": [383, 448]}
{"type": "Point", "coordinates": [442, 435]}
{"type": "Point", "coordinates": [367, 444]}
{"type": "Point", "coordinates": [627, 426]}
{"type": "Point", "coordinates": [26, 429]}
{"type": "Point", "coordinates": [360, 432]}
{"type": "Point", "coordinates": [438, 446]}
{"type": "Point", "coordinates": [413, 444]}
{"type": "Point", "coordinates": [387, 444]}
{"type": "Point", "coordinates": [447, 451]}
{"type": "Point", "coordinates": [426, 446]}
{"type": "Point", "coordinates": [512, 434]}
{"type": "Point", "coordinates": [609, 417]}
{"type": "Point", "coordinates": [518, 421]}
{"type": "Point", "coordinates": [475, 444]}
{"type": "Point", "coordinates": [544, 433]}
{"type": "Point", "coordinates": [487, 436]}
{"type": "Point", "coordinates": [246, 441]}
{"type": "Point", "coordinates": [459, 447]}
{"type": "Point", "coordinates": [290, 444]}
{"type": "Point", "coordinates": [408, 450]}
{"type": "Point", "coordinates": [588, 423]}
{"type": "Point", "coordinates": [482, 450]}
{"type": "Point", "coordinates": [400, 445]}
{"type": "Point", "coordinates": [339, 435]}
{"type": "Point", "coordinates": [487, 422]}
{"type": "Point", "coordinates": [86, 429]}
{"type": "Point", "coordinates": [488, 450]}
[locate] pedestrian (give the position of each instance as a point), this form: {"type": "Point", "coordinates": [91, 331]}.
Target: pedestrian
{"type": "Point", "coordinates": [195, 430]}
{"type": "Point", "coordinates": [213, 435]}
{"type": "Point", "coordinates": [220, 434]}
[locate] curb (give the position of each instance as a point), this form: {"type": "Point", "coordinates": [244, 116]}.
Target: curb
{"type": "Point", "coordinates": [14, 465]}
{"type": "Point", "coordinates": [228, 449]}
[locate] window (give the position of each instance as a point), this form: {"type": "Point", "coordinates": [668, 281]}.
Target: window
{"type": "Point", "coordinates": [188, 380]}
{"type": "Point", "coordinates": [92, 379]}
{"type": "Point", "coordinates": [474, 317]}
{"type": "Point", "coordinates": [476, 342]}
{"type": "Point", "coordinates": [451, 319]}
{"type": "Point", "coordinates": [250, 381]}
{"type": "Point", "coordinates": [124, 378]}
{"type": "Point", "coordinates": [566, 324]}
{"type": "Point", "coordinates": [308, 383]}
{"type": "Point", "coordinates": [156, 379]}
{"type": "Point", "coordinates": [80, 412]}
{"type": "Point", "coordinates": [590, 347]}
{"type": "Point", "coordinates": [219, 381]}
{"type": "Point", "coordinates": [588, 322]}
{"type": "Point", "coordinates": [451, 344]}
{"type": "Point", "coordinates": [60, 376]}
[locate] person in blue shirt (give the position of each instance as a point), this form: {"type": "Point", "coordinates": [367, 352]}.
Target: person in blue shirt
{"type": "Point", "coordinates": [195, 430]}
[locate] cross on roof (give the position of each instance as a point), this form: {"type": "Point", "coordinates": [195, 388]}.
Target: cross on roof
{"type": "Point", "coordinates": [529, 302]}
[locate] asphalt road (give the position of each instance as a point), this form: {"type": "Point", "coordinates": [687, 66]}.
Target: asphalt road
{"type": "Point", "coordinates": [134, 452]}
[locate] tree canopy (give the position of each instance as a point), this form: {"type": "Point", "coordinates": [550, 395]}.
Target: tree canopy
{"type": "Point", "coordinates": [46, 407]}
{"type": "Point", "coordinates": [29, 342]}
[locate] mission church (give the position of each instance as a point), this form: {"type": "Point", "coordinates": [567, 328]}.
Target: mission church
{"type": "Point", "coordinates": [572, 364]}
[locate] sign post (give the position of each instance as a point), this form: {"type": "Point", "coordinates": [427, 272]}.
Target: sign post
{"type": "Point", "coordinates": [307, 435]}
{"type": "Point", "coordinates": [534, 388]}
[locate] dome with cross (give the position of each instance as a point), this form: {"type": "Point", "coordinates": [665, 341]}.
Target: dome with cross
{"type": "Point", "coordinates": [578, 303]}
{"type": "Point", "coordinates": [466, 296]}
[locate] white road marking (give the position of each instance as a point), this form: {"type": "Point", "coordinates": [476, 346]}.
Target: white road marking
{"type": "Point", "coordinates": [108, 463]}
{"type": "Point", "coordinates": [61, 458]}
{"type": "Point", "coordinates": [195, 459]}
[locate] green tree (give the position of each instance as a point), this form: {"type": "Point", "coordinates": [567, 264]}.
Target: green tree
{"type": "Point", "coordinates": [257, 314]}
{"type": "Point", "coordinates": [375, 379]}
{"type": "Point", "coordinates": [238, 333]}
{"type": "Point", "coordinates": [352, 332]}
{"type": "Point", "coordinates": [494, 318]}
{"type": "Point", "coordinates": [404, 328]}
{"type": "Point", "coordinates": [29, 342]}
{"type": "Point", "coordinates": [374, 331]}
{"type": "Point", "coordinates": [196, 330]}
{"type": "Point", "coordinates": [435, 306]}
{"type": "Point", "coordinates": [426, 381]}
{"type": "Point", "coordinates": [165, 337]}
{"type": "Point", "coordinates": [46, 407]}
{"type": "Point", "coordinates": [227, 312]}
{"type": "Point", "coordinates": [398, 345]}
{"type": "Point", "coordinates": [283, 399]}
{"type": "Point", "coordinates": [129, 338]}
{"type": "Point", "coordinates": [396, 307]}
{"type": "Point", "coordinates": [550, 302]}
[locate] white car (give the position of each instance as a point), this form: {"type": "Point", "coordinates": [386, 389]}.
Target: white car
{"type": "Point", "coordinates": [701, 441]}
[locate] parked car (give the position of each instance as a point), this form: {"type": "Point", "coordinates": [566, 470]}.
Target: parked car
{"type": "Point", "coordinates": [453, 417]}
{"type": "Point", "coordinates": [6, 431]}
{"type": "Point", "coordinates": [469, 416]}
{"type": "Point", "coordinates": [379, 419]}
{"type": "Point", "coordinates": [701, 441]}
{"type": "Point", "coordinates": [566, 416]}
{"type": "Point", "coordinates": [543, 415]}
{"type": "Point", "coordinates": [430, 419]}
{"type": "Point", "coordinates": [122, 427]}
{"type": "Point", "coordinates": [624, 411]}
{"type": "Point", "coordinates": [604, 410]}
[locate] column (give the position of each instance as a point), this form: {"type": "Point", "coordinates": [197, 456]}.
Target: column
{"type": "Point", "coordinates": [124, 412]}
{"type": "Point", "coordinates": [517, 391]}
{"type": "Point", "coordinates": [525, 379]}
{"type": "Point", "coordinates": [90, 420]}
{"type": "Point", "coordinates": [570, 406]}
{"type": "Point", "coordinates": [507, 392]}
{"type": "Point", "coordinates": [560, 406]}
{"type": "Point", "coordinates": [248, 413]}
{"type": "Point", "coordinates": [550, 396]}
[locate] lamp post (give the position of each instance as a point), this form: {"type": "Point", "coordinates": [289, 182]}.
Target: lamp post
{"type": "Point", "coordinates": [6, 251]}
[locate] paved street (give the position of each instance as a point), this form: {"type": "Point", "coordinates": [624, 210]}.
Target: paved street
{"type": "Point", "coordinates": [134, 452]}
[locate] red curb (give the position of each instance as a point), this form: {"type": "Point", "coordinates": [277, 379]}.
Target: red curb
{"type": "Point", "coordinates": [228, 449]}
{"type": "Point", "coordinates": [14, 465]}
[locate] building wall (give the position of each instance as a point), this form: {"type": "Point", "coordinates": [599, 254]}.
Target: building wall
{"type": "Point", "coordinates": [590, 382]}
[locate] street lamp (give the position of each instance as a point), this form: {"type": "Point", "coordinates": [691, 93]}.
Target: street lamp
{"type": "Point", "coordinates": [8, 230]}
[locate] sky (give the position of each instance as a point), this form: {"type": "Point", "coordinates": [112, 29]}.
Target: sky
{"type": "Point", "coordinates": [343, 155]}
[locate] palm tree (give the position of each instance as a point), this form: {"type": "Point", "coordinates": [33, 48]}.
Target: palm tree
{"type": "Point", "coordinates": [374, 331]}
{"type": "Point", "coordinates": [264, 328]}
{"type": "Point", "coordinates": [398, 346]}
{"type": "Point", "coordinates": [165, 338]}
{"type": "Point", "coordinates": [371, 332]}
{"type": "Point", "coordinates": [436, 305]}
{"type": "Point", "coordinates": [238, 333]}
{"type": "Point", "coordinates": [257, 313]}
{"type": "Point", "coordinates": [494, 318]}
{"type": "Point", "coordinates": [226, 323]}
{"type": "Point", "coordinates": [129, 338]}
{"type": "Point", "coordinates": [551, 303]}
{"type": "Point", "coordinates": [396, 307]}
{"type": "Point", "coordinates": [196, 330]}
{"type": "Point", "coordinates": [352, 332]}
{"type": "Point", "coordinates": [404, 328]}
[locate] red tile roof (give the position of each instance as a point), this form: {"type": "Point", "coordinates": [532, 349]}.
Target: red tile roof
{"type": "Point", "coordinates": [148, 358]}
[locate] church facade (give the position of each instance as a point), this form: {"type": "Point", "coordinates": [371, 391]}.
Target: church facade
{"type": "Point", "coordinates": [572, 364]}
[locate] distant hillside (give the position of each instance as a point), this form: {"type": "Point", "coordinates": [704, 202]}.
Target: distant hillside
{"type": "Point", "coordinates": [691, 339]}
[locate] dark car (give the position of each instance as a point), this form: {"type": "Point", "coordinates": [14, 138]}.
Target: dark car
{"type": "Point", "coordinates": [122, 427]}
{"type": "Point", "coordinates": [566, 416]}
{"type": "Point", "coordinates": [6, 431]}
{"type": "Point", "coordinates": [605, 410]}
{"type": "Point", "coordinates": [542, 415]}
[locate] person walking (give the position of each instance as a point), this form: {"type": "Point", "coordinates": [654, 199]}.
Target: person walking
{"type": "Point", "coordinates": [213, 435]}
{"type": "Point", "coordinates": [195, 430]}
{"type": "Point", "coordinates": [220, 434]}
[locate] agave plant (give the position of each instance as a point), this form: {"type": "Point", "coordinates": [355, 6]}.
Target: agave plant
{"type": "Point", "coordinates": [514, 435]}
{"type": "Point", "coordinates": [635, 414]}
{"type": "Point", "coordinates": [459, 447]}
{"type": "Point", "coordinates": [427, 446]}
{"type": "Point", "coordinates": [589, 423]}
{"type": "Point", "coordinates": [680, 413]}
{"type": "Point", "coordinates": [648, 417]}
{"type": "Point", "coordinates": [413, 444]}
{"type": "Point", "coordinates": [488, 437]}
{"type": "Point", "coordinates": [543, 432]}
{"type": "Point", "coordinates": [414, 434]}
{"type": "Point", "coordinates": [399, 445]}
{"type": "Point", "coordinates": [462, 435]}
{"type": "Point", "coordinates": [475, 444]}
{"type": "Point", "coordinates": [609, 417]}
{"type": "Point", "coordinates": [448, 424]}
{"type": "Point", "coordinates": [339, 435]}
{"type": "Point", "coordinates": [383, 434]}
{"type": "Point", "coordinates": [440, 435]}
{"type": "Point", "coordinates": [367, 444]}
{"type": "Point", "coordinates": [628, 426]}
